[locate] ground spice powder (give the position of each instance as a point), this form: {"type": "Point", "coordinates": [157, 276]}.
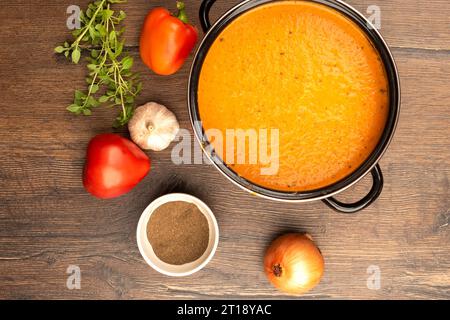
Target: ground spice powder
{"type": "Point", "coordinates": [178, 232]}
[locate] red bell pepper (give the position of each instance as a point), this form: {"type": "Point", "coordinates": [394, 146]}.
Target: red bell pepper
{"type": "Point", "coordinates": [166, 40]}
{"type": "Point", "coordinates": [114, 166]}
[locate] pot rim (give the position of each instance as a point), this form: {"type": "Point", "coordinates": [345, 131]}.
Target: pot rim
{"type": "Point", "coordinates": [353, 178]}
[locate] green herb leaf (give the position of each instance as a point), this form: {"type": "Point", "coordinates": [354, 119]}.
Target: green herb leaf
{"type": "Point", "coordinates": [103, 99]}
{"type": "Point", "coordinates": [112, 39]}
{"type": "Point", "coordinates": [74, 108]}
{"type": "Point", "coordinates": [107, 14]}
{"type": "Point", "coordinates": [127, 63]}
{"type": "Point", "coordinates": [94, 53]}
{"type": "Point", "coordinates": [109, 69]}
{"type": "Point", "coordinates": [94, 88]}
{"type": "Point", "coordinates": [76, 54]}
{"type": "Point", "coordinates": [79, 95]}
{"type": "Point", "coordinates": [92, 66]}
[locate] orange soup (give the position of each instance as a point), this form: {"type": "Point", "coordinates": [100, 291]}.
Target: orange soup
{"type": "Point", "coordinates": [309, 72]}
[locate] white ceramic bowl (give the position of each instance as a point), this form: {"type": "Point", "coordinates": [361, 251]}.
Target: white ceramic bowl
{"type": "Point", "coordinates": [146, 248]}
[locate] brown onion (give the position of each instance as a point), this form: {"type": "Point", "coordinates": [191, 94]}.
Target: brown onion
{"type": "Point", "coordinates": [293, 263]}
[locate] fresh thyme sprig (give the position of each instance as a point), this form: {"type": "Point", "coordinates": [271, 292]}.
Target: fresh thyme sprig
{"type": "Point", "coordinates": [110, 81]}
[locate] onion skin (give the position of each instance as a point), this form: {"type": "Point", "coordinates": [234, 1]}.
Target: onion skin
{"type": "Point", "coordinates": [293, 263]}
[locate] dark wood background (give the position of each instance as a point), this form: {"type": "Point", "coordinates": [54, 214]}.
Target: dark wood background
{"type": "Point", "coordinates": [48, 221]}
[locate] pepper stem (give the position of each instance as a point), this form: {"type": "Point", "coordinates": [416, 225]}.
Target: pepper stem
{"type": "Point", "coordinates": [182, 12]}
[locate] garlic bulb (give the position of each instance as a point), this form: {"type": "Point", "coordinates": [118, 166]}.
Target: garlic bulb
{"type": "Point", "coordinates": [153, 127]}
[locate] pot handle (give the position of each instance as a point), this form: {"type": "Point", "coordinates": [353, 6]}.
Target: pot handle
{"type": "Point", "coordinates": [204, 14]}
{"type": "Point", "coordinates": [373, 194]}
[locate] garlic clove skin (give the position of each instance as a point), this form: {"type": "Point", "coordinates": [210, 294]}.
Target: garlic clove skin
{"type": "Point", "coordinates": [153, 127]}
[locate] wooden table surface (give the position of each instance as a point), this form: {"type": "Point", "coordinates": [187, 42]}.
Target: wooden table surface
{"type": "Point", "coordinates": [48, 222]}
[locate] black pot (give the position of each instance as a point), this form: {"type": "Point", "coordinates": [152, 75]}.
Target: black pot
{"type": "Point", "coordinates": [325, 194]}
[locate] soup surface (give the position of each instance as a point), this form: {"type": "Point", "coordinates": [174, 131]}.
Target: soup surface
{"type": "Point", "coordinates": [305, 71]}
